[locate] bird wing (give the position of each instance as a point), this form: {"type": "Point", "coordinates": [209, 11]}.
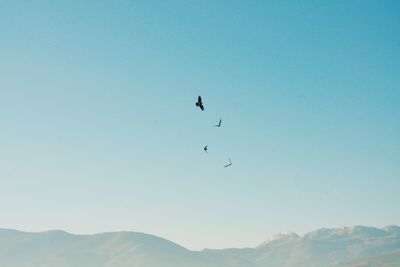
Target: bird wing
{"type": "Point", "coordinates": [201, 106]}
{"type": "Point", "coordinates": [220, 120]}
{"type": "Point", "coordinates": [199, 99]}
{"type": "Point", "coordinates": [230, 163]}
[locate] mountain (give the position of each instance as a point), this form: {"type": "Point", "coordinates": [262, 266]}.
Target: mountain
{"type": "Point", "coordinates": [329, 247]}
{"type": "Point", "coordinates": [357, 246]}
{"type": "Point", "coordinates": [386, 260]}
{"type": "Point", "coordinates": [119, 249]}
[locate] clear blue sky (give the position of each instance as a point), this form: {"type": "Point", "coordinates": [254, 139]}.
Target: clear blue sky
{"type": "Point", "coordinates": [99, 131]}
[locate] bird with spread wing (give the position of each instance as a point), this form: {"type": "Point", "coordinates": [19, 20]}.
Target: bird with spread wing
{"type": "Point", "coordinates": [199, 103]}
{"type": "Point", "coordinates": [219, 123]}
{"type": "Point", "coordinates": [230, 163]}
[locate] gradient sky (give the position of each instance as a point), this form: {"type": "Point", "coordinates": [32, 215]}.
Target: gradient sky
{"type": "Point", "coordinates": [99, 131]}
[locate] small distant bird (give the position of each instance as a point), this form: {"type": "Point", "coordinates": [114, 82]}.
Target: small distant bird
{"type": "Point", "coordinates": [205, 149]}
{"type": "Point", "coordinates": [199, 103]}
{"type": "Point", "coordinates": [230, 163]}
{"type": "Point", "coordinates": [219, 124]}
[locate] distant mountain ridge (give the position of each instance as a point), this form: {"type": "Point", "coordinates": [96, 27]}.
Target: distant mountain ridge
{"type": "Point", "coordinates": [357, 246]}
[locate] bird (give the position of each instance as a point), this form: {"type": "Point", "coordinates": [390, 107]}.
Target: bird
{"type": "Point", "coordinates": [230, 163]}
{"type": "Point", "coordinates": [219, 124]}
{"type": "Point", "coordinates": [205, 149]}
{"type": "Point", "coordinates": [199, 103]}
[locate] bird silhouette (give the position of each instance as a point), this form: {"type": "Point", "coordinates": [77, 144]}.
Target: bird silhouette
{"type": "Point", "coordinates": [199, 103]}
{"type": "Point", "coordinates": [230, 163]}
{"type": "Point", "coordinates": [219, 124]}
{"type": "Point", "coordinates": [205, 149]}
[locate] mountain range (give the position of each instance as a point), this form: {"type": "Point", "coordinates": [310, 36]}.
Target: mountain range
{"type": "Point", "coordinates": [357, 246]}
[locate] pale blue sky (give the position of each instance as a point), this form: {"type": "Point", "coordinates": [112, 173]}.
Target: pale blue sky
{"type": "Point", "coordinates": [99, 131]}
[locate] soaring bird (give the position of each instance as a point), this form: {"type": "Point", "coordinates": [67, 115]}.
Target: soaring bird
{"type": "Point", "coordinates": [230, 163]}
{"type": "Point", "coordinates": [219, 123]}
{"type": "Point", "coordinates": [199, 103]}
{"type": "Point", "coordinates": [205, 149]}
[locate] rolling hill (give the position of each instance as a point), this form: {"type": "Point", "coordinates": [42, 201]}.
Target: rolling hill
{"type": "Point", "coordinates": [357, 246]}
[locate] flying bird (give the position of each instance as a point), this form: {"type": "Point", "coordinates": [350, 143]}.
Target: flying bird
{"type": "Point", "coordinates": [219, 124]}
{"type": "Point", "coordinates": [230, 163]}
{"type": "Point", "coordinates": [199, 103]}
{"type": "Point", "coordinates": [205, 149]}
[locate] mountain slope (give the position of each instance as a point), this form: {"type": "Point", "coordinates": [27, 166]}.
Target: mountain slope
{"type": "Point", "coordinates": [329, 247]}
{"type": "Point", "coordinates": [386, 260]}
{"type": "Point", "coordinates": [324, 247]}
{"type": "Point", "coordinates": [57, 248]}
{"type": "Point", "coordinates": [357, 246]}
